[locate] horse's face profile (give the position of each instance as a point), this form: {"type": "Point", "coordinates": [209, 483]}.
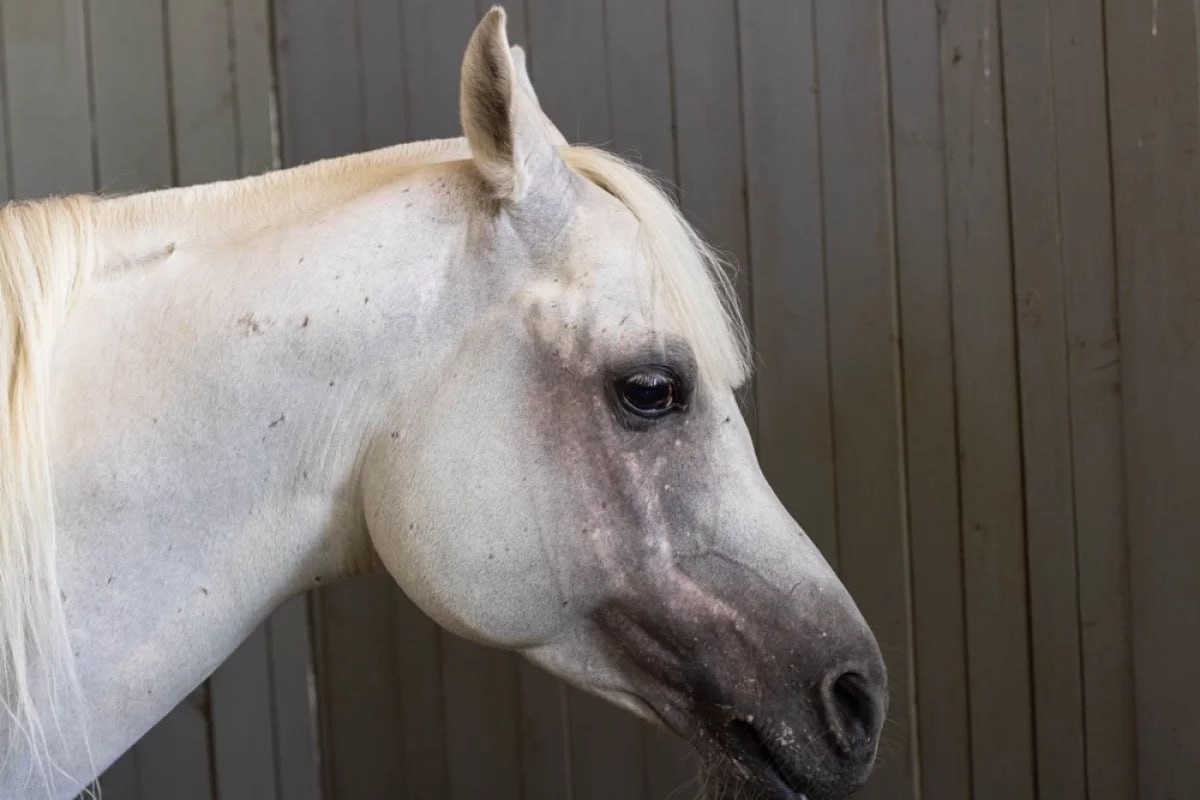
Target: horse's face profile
{"type": "Point", "coordinates": [576, 480]}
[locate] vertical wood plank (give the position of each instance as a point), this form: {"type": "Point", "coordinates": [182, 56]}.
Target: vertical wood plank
{"type": "Point", "coordinates": [435, 36]}
{"type": "Point", "coordinates": [293, 702]}
{"type": "Point", "coordinates": [988, 419]}
{"type": "Point", "coordinates": [927, 357]}
{"type": "Point", "coordinates": [545, 748]}
{"type": "Point", "coordinates": [669, 764]}
{"type": "Point", "coordinates": [1154, 113]}
{"type": "Point", "coordinates": [606, 750]}
{"type": "Point", "coordinates": [482, 721]}
{"type": "Point", "coordinates": [320, 96]}
{"type": "Point", "coordinates": [673, 769]}
{"type": "Point", "coordinates": [384, 73]}
{"type": "Point", "coordinates": [864, 358]}
{"type": "Point", "coordinates": [639, 81]}
{"type": "Point", "coordinates": [120, 780]}
{"type": "Point", "coordinates": [783, 173]}
{"type": "Point", "coordinates": [173, 759]}
{"type": "Point", "coordinates": [567, 62]}
{"type": "Point", "coordinates": [49, 124]}
{"type": "Point", "coordinates": [360, 693]}
{"type": "Point", "coordinates": [243, 739]}
{"type": "Point", "coordinates": [204, 105]}
{"type": "Point", "coordinates": [129, 78]}
{"type": "Point", "coordinates": [1085, 199]}
{"type": "Point", "coordinates": [1045, 401]}
{"type": "Point", "coordinates": [254, 80]}
{"type": "Point", "coordinates": [419, 669]}
{"type": "Point", "coordinates": [5, 151]}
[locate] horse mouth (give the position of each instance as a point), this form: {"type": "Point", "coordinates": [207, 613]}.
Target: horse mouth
{"type": "Point", "coordinates": [749, 756]}
{"type": "Point", "coordinates": [746, 746]}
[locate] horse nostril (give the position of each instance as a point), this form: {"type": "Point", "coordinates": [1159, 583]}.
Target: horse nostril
{"type": "Point", "coordinates": [852, 709]}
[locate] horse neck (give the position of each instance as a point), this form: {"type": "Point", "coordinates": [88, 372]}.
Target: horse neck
{"type": "Point", "coordinates": [213, 401]}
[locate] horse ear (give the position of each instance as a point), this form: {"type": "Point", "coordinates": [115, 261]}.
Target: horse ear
{"type": "Point", "coordinates": [518, 55]}
{"type": "Point", "coordinates": [512, 142]}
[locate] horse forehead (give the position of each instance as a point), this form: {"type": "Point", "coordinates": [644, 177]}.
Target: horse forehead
{"type": "Point", "coordinates": [584, 318]}
{"type": "Point", "coordinates": [605, 232]}
{"type": "Point", "coordinates": [597, 292]}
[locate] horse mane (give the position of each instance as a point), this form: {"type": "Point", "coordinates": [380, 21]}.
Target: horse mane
{"type": "Point", "coordinates": [687, 277]}
{"type": "Point", "coordinates": [47, 251]}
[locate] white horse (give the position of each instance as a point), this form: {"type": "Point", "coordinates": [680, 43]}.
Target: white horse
{"type": "Point", "coordinates": [498, 367]}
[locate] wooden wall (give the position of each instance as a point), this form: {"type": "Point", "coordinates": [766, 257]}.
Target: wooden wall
{"type": "Point", "coordinates": [972, 268]}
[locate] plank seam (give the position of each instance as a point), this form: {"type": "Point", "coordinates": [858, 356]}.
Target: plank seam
{"type": "Point", "coordinates": [8, 157]}
{"type": "Point", "coordinates": [1123, 461]}
{"type": "Point", "coordinates": [1066, 340]}
{"type": "Point", "coordinates": [517, 727]}
{"type": "Point", "coordinates": [277, 21]}
{"type": "Point", "coordinates": [405, 94]}
{"type": "Point", "coordinates": [273, 709]}
{"type": "Point", "coordinates": [327, 744]}
{"type": "Point", "coordinates": [440, 656]}
{"type": "Point", "coordinates": [901, 409]}
{"type": "Point", "coordinates": [210, 743]}
{"type": "Point", "coordinates": [234, 90]}
{"type": "Point", "coordinates": [568, 742]}
{"type": "Point", "coordinates": [608, 90]}
{"type": "Point", "coordinates": [1002, 83]}
{"type": "Point", "coordinates": [1196, 34]}
{"type": "Point", "coordinates": [275, 101]}
{"type": "Point", "coordinates": [833, 471]}
{"type": "Point", "coordinates": [954, 403]}
{"type": "Point", "coordinates": [94, 134]}
{"type": "Point", "coordinates": [676, 189]}
{"type": "Point", "coordinates": [360, 72]}
{"type": "Point", "coordinates": [169, 65]}
{"type": "Point", "coordinates": [748, 312]}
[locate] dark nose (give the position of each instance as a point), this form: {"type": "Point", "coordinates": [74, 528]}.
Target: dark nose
{"type": "Point", "coordinates": [853, 708]}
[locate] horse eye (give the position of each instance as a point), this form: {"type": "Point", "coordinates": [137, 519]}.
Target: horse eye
{"type": "Point", "coordinates": [651, 392]}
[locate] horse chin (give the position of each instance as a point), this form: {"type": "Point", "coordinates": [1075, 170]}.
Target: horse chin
{"type": "Point", "coordinates": [743, 761]}
{"type": "Point", "coordinates": [729, 778]}
{"type": "Point", "coordinates": [741, 767]}
{"type": "Point", "coordinates": [738, 763]}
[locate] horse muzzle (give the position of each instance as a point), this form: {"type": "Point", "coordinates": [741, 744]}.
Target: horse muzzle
{"type": "Point", "coordinates": [783, 696]}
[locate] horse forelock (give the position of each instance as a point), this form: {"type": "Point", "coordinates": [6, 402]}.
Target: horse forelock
{"type": "Point", "coordinates": [688, 279]}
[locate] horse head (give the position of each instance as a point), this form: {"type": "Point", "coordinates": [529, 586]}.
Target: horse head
{"type": "Point", "coordinates": [575, 480]}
